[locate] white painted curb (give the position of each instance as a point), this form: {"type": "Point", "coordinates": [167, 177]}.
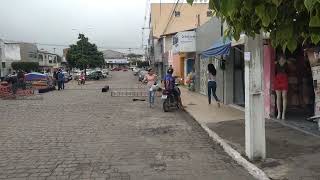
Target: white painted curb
{"type": "Point", "coordinates": [251, 168]}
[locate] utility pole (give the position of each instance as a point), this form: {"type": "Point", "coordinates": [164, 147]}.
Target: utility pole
{"type": "Point", "coordinates": [255, 138]}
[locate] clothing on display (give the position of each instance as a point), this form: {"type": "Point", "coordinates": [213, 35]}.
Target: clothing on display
{"type": "Point", "coordinates": [281, 78]}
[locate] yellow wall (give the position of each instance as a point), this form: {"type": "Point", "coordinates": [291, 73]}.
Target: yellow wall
{"type": "Point", "coordinates": [178, 65]}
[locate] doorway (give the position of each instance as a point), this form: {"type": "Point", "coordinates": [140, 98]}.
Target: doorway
{"type": "Point", "coordinates": [238, 76]}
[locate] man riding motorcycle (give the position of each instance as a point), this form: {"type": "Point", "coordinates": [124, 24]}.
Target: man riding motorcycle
{"type": "Point", "coordinates": [170, 86]}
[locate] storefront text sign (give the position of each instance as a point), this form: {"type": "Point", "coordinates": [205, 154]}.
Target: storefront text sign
{"type": "Point", "coordinates": [184, 42]}
{"type": "Point", "coordinates": [116, 61]}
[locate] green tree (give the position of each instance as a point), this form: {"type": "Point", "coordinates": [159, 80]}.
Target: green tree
{"type": "Point", "coordinates": [134, 58]}
{"type": "Point", "coordinates": [142, 64]}
{"type": "Point", "coordinates": [25, 66]}
{"type": "Point", "coordinates": [289, 22]}
{"type": "Point", "coordinates": [84, 54]}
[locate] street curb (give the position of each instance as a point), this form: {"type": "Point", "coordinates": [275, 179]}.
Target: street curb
{"type": "Point", "coordinates": [235, 155]}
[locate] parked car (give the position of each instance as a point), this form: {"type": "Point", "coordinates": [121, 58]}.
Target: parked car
{"type": "Point", "coordinates": [105, 72]}
{"type": "Point", "coordinates": [94, 75]}
{"type": "Point", "coordinates": [136, 71]}
{"type": "Point", "coordinates": [67, 76]}
{"type": "Point", "coordinates": [116, 69]}
{"type": "Point", "coordinates": [142, 74]}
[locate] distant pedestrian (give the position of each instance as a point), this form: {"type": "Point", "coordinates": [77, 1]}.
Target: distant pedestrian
{"type": "Point", "coordinates": [13, 80]}
{"type": "Point", "coordinates": [150, 79]}
{"type": "Point", "coordinates": [55, 77]}
{"type": "Point", "coordinates": [21, 80]}
{"type": "Point", "coordinates": [212, 84]}
{"type": "Point", "coordinates": [60, 80]}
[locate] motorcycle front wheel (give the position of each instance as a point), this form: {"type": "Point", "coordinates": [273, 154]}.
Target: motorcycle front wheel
{"type": "Point", "coordinates": [165, 105]}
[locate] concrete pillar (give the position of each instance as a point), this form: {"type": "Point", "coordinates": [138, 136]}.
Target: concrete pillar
{"type": "Point", "coordinates": [255, 139]}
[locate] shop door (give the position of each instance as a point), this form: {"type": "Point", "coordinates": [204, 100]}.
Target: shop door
{"type": "Point", "coordinates": [190, 65]}
{"type": "Point", "coordinates": [238, 79]}
{"type": "Point", "coordinates": [203, 75]}
{"type": "Point", "coordinates": [182, 67]}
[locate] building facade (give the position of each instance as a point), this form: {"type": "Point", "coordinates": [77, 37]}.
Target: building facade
{"type": "Point", "coordinates": [166, 20]}
{"type": "Point", "coordinates": [29, 52]}
{"type": "Point", "coordinates": [9, 53]}
{"type": "Point", "coordinates": [115, 59]}
{"type": "Point", "coordinates": [48, 61]}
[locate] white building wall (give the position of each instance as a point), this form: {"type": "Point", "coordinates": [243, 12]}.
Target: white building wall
{"type": "Point", "coordinates": [10, 52]}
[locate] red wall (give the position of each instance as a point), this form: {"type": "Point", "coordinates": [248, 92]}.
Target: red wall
{"type": "Point", "coordinates": [268, 69]}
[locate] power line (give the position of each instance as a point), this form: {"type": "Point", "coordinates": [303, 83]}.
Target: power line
{"type": "Point", "coordinates": [147, 10]}
{"type": "Point", "coordinates": [171, 15]}
{"type": "Point", "coordinates": [100, 47]}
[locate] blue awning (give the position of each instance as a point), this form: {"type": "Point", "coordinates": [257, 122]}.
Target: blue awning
{"type": "Point", "coordinates": [220, 47]}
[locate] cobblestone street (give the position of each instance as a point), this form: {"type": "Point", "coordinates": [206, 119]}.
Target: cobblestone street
{"type": "Point", "coordinates": [81, 133]}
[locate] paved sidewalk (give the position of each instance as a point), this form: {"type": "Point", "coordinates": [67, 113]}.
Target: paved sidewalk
{"type": "Point", "coordinates": [291, 154]}
{"type": "Point", "coordinates": [198, 106]}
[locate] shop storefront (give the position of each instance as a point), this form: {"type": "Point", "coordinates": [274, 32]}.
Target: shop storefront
{"type": "Point", "coordinates": [296, 100]}
{"type": "Point", "coordinates": [227, 56]}
{"type": "Point", "coordinates": [183, 49]}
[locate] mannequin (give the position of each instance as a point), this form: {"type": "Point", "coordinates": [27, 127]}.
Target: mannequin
{"type": "Point", "coordinates": [281, 86]}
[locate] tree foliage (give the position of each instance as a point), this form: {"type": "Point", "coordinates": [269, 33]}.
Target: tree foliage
{"type": "Point", "coordinates": [289, 22]}
{"type": "Point", "coordinates": [142, 64]}
{"type": "Point", "coordinates": [25, 66]}
{"type": "Point", "coordinates": [84, 54]}
{"type": "Point", "coordinates": [134, 56]}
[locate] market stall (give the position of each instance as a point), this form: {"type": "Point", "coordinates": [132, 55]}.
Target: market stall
{"type": "Point", "coordinates": [38, 80]}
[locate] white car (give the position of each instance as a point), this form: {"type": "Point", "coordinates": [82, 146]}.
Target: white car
{"type": "Point", "coordinates": [105, 72]}
{"type": "Point", "coordinates": [136, 71]}
{"type": "Point", "coordinates": [67, 76]}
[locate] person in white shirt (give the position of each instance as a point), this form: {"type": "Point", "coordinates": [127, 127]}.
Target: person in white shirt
{"type": "Point", "coordinates": [212, 84]}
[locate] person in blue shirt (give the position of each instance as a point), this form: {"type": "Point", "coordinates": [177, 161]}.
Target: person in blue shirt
{"type": "Point", "coordinates": [60, 80]}
{"type": "Point", "coordinates": [170, 85]}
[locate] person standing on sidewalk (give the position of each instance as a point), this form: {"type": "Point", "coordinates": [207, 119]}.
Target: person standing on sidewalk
{"type": "Point", "coordinates": [212, 84]}
{"type": "Point", "coordinates": [150, 79]}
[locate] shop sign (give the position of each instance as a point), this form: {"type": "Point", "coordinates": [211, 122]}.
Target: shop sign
{"type": "Point", "coordinates": [247, 56]}
{"type": "Point", "coordinates": [184, 42]}
{"type": "Point", "coordinates": [116, 61]}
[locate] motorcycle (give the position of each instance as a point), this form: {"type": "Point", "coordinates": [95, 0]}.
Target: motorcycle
{"type": "Point", "coordinates": [170, 101]}
{"type": "Point", "coordinates": [81, 81]}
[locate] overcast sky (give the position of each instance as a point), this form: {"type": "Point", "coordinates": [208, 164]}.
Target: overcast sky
{"type": "Point", "coordinates": [108, 23]}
